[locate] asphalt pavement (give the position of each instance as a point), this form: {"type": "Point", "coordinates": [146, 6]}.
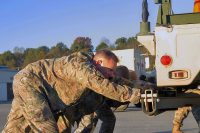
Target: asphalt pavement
{"type": "Point", "coordinates": [133, 120]}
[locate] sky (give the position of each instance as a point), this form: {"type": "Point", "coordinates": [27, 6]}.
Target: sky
{"type": "Point", "coordinates": [34, 23]}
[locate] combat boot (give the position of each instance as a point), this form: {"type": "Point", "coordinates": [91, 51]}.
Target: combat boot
{"type": "Point", "coordinates": [176, 129]}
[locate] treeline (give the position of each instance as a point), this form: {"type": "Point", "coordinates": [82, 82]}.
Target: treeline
{"type": "Point", "coordinates": [20, 57]}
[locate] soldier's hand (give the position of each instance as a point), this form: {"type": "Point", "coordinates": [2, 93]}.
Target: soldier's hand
{"type": "Point", "coordinates": [135, 97]}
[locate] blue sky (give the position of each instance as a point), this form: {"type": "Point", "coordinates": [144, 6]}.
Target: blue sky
{"type": "Point", "coordinates": [32, 23]}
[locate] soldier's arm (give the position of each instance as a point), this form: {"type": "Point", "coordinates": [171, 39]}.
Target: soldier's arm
{"type": "Point", "coordinates": [133, 83]}
{"type": "Point", "coordinates": [79, 67]}
{"type": "Point", "coordinates": [90, 77]}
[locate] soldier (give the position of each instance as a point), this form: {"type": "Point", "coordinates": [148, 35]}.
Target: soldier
{"type": "Point", "coordinates": [182, 112]}
{"type": "Point", "coordinates": [104, 113]}
{"type": "Point", "coordinates": [47, 90]}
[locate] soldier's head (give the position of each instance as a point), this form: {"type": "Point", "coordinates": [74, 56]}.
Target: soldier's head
{"type": "Point", "coordinates": [106, 61]}
{"type": "Point", "coordinates": [122, 71]}
{"type": "Point", "coordinates": [132, 75]}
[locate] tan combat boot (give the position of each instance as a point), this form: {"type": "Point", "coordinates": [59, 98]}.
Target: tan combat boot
{"type": "Point", "coordinates": [176, 129]}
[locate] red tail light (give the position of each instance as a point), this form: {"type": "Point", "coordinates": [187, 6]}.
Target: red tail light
{"type": "Point", "coordinates": [166, 60]}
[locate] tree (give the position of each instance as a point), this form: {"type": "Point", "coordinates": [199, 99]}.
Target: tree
{"type": "Point", "coordinates": [42, 52]}
{"type": "Point", "coordinates": [18, 50]}
{"type": "Point", "coordinates": [35, 54]}
{"type": "Point", "coordinates": [82, 44]}
{"type": "Point", "coordinates": [101, 46]}
{"type": "Point", "coordinates": [132, 42]}
{"type": "Point", "coordinates": [105, 40]}
{"type": "Point", "coordinates": [111, 47]}
{"type": "Point", "coordinates": [45, 49]}
{"type": "Point", "coordinates": [8, 59]}
{"type": "Point", "coordinates": [30, 55]}
{"type": "Point", "coordinates": [19, 56]}
{"type": "Point", "coordinates": [121, 43]}
{"type": "Point", "coordinates": [58, 51]}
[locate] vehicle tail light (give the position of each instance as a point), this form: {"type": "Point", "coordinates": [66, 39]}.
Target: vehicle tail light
{"type": "Point", "coordinates": [166, 60]}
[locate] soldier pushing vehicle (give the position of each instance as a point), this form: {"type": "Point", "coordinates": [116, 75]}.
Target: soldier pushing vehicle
{"type": "Point", "coordinates": [47, 90]}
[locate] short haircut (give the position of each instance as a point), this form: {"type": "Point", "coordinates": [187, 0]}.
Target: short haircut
{"type": "Point", "coordinates": [122, 71]}
{"type": "Point", "coordinates": [107, 54]}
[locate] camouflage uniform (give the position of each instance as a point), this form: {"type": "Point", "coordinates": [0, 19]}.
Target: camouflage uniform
{"type": "Point", "coordinates": [104, 113]}
{"type": "Point", "coordinates": [180, 115]}
{"type": "Point", "coordinates": [88, 122]}
{"type": "Point", "coordinates": [47, 87]}
{"type": "Point", "coordinates": [92, 101]}
{"type": "Point", "coordinates": [183, 112]}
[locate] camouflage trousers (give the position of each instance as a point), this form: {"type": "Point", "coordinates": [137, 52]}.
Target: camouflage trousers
{"type": "Point", "coordinates": [88, 122]}
{"type": "Point", "coordinates": [30, 111]}
{"type": "Point", "coordinates": [183, 112]}
{"type": "Point", "coordinates": [180, 115]}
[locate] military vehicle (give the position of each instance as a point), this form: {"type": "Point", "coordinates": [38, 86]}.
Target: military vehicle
{"type": "Point", "coordinates": [173, 50]}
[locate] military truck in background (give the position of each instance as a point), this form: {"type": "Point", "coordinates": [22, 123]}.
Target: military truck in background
{"type": "Point", "coordinates": [173, 50]}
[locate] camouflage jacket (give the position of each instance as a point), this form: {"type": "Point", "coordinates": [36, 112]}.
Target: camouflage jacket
{"type": "Point", "coordinates": [71, 76]}
{"type": "Point", "coordinates": [48, 85]}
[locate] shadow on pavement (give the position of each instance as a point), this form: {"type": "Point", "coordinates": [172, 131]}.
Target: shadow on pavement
{"type": "Point", "coordinates": [133, 109]}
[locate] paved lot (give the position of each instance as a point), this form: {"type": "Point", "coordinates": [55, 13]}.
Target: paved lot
{"type": "Point", "coordinates": [133, 121]}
